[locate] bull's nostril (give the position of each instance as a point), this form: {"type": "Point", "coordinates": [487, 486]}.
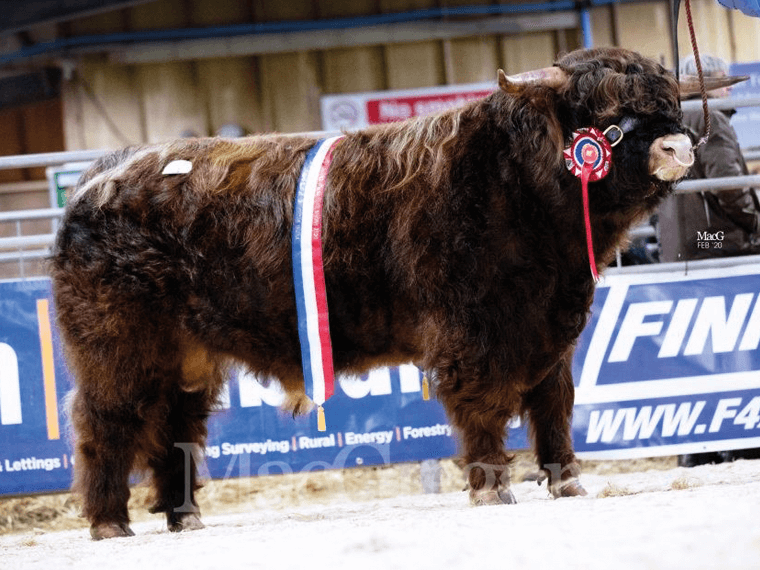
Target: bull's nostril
{"type": "Point", "coordinates": [680, 151]}
{"type": "Point", "coordinates": [690, 159]}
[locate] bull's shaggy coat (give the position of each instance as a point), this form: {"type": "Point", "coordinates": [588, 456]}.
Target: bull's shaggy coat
{"type": "Point", "coordinates": [454, 241]}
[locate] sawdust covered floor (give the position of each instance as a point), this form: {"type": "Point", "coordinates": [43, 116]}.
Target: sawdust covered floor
{"type": "Point", "coordinates": [43, 513]}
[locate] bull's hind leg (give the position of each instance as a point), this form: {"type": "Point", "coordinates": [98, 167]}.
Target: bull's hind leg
{"type": "Point", "coordinates": [550, 409]}
{"type": "Point", "coordinates": [480, 417]}
{"type": "Point", "coordinates": [175, 474]}
{"type": "Point", "coordinates": [190, 392]}
{"type": "Point", "coordinates": [105, 451]}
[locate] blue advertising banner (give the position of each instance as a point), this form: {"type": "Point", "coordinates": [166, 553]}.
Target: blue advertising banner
{"type": "Point", "coordinates": [377, 418]}
{"type": "Point", "coordinates": [671, 364]}
{"type": "Point", "coordinates": [746, 121]}
{"type": "Point", "coordinates": [34, 455]}
{"type": "Point", "coordinates": [668, 364]}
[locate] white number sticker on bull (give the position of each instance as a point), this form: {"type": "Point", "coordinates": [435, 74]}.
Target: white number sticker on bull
{"type": "Point", "coordinates": [670, 365]}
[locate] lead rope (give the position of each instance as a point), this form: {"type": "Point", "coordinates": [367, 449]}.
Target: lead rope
{"type": "Point", "coordinates": [702, 89]}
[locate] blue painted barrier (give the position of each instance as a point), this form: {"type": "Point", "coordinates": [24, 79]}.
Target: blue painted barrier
{"type": "Point", "coordinates": [670, 365]}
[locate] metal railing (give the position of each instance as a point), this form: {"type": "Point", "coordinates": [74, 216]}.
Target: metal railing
{"type": "Point", "coordinates": [724, 104]}
{"type": "Point", "coordinates": [49, 158]}
{"type": "Point", "coordinates": [718, 184]}
{"type": "Point", "coordinates": [19, 216]}
{"type": "Point", "coordinates": [21, 248]}
{"type": "Point", "coordinates": [24, 249]}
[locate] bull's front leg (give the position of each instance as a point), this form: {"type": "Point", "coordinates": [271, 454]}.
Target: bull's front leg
{"type": "Point", "coordinates": [550, 409]}
{"type": "Point", "coordinates": [480, 414]}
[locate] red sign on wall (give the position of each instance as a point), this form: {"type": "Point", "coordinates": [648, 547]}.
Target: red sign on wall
{"type": "Point", "coordinates": [354, 111]}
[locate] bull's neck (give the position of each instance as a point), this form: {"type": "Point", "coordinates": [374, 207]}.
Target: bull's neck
{"type": "Point", "coordinates": [610, 230]}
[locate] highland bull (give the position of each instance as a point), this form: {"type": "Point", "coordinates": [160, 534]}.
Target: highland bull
{"type": "Point", "coordinates": [454, 241]}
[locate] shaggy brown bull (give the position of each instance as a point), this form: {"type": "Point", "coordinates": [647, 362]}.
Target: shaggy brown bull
{"type": "Point", "coordinates": [454, 241]}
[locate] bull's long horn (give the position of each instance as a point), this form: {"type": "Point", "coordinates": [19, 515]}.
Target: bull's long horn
{"type": "Point", "coordinates": [689, 84]}
{"type": "Point", "coordinates": [549, 76]}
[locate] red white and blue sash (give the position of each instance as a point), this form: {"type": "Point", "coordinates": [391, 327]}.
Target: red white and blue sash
{"type": "Point", "coordinates": [309, 277]}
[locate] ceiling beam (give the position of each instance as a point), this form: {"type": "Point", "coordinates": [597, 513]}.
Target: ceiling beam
{"type": "Point", "coordinates": [267, 43]}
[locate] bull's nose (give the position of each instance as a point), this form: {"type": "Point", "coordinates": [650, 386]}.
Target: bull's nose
{"type": "Point", "coordinates": [670, 157]}
{"type": "Point", "coordinates": [680, 148]}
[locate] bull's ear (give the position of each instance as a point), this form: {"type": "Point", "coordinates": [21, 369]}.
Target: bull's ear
{"type": "Point", "coordinates": [548, 76]}
{"type": "Point", "coordinates": [689, 84]}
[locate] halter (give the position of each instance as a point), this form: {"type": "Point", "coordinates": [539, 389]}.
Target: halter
{"type": "Point", "coordinates": [589, 157]}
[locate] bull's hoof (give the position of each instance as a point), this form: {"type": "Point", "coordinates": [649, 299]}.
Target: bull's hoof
{"type": "Point", "coordinates": [481, 497]}
{"type": "Point", "coordinates": [178, 522]}
{"type": "Point", "coordinates": [110, 530]}
{"type": "Point", "coordinates": [569, 488]}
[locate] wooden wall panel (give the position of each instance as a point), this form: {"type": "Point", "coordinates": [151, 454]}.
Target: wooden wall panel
{"type": "Point", "coordinates": [106, 22]}
{"type": "Point", "coordinates": [346, 8]}
{"type": "Point", "coordinates": [406, 5]}
{"type": "Point", "coordinates": [29, 129]}
{"type": "Point", "coordinates": [281, 92]}
{"type": "Point", "coordinates": [33, 200]}
{"type": "Point", "coordinates": [173, 105]}
{"type": "Point", "coordinates": [74, 137]}
{"type": "Point", "coordinates": [290, 91]}
{"type": "Point", "coordinates": [273, 10]}
{"type": "Point", "coordinates": [289, 82]}
{"type": "Point", "coordinates": [161, 14]}
{"type": "Point", "coordinates": [351, 69]}
{"type": "Point", "coordinates": [473, 60]}
{"type": "Point", "coordinates": [43, 131]}
{"type": "Point", "coordinates": [111, 111]}
{"type": "Point", "coordinates": [11, 141]}
{"type": "Point", "coordinates": [30, 200]}
{"type": "Point", "coordinates": [418, 64]}
{"type": "Point", "coordinates": [747, 37]}
{"type": "Point", "coordinates": [230, 87]}
{"type": "Point", "coordinates": [711, 28]}
{"type": "Point", "coordinates": [528, 51]}
{"type": "Point", "coordinates": [568, 40]}
{"type": "Point", "coordinates": [219, 12]}
{"type": "Point", "coordinates": [602, 26]}
{"type": "Point", "coordinates": [645, 27]}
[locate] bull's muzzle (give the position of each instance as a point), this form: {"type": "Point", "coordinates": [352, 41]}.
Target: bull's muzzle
{"type": "Point", "coordinates": [670, 157]}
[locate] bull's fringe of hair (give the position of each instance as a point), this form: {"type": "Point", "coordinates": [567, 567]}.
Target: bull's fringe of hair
{"type": "Point", "coordinates": [421, 145]}
{"type": "Point", "coordinates": [607, 80]}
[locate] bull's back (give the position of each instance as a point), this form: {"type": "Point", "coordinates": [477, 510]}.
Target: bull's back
{"type": "Point", "coordinates": [206, 254]}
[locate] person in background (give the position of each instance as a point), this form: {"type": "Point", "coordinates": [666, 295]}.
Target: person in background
{"type": "Point", "coordinates": [731, 217]}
